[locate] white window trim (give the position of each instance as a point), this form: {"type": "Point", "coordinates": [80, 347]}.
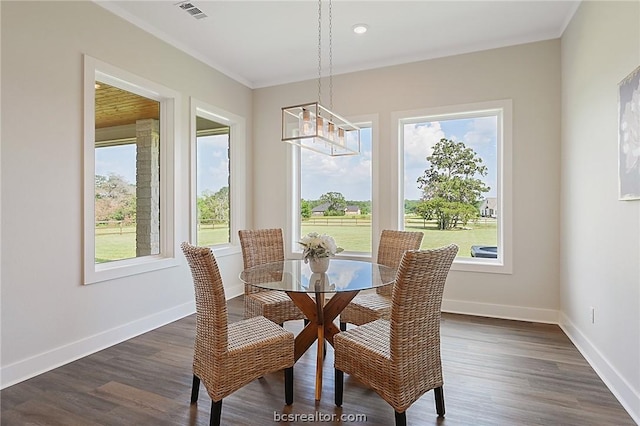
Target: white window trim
{"type": "Point", "coordinates": [169, 99]}
{"type": "Point", "coordinates": [292, 231]}
{"type": "Point", "coordinates": [237, 174]}
{"type": "Point", "coordinates": [293, 187]}
{"type": "Point", "coordinates": [504, 263]}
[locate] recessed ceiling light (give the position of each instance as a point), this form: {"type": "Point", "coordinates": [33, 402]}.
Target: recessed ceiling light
{"type": "Point", "coordinates": [360, 28]}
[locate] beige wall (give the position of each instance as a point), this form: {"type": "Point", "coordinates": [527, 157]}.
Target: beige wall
{"type": "Point", "coordinates": [529, 75]}
{"type": "Point", "coordinates": [48, 316]}
{"type": "Point", "coordinates": [600, 235]}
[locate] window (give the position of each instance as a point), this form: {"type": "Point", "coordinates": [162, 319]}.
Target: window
{"type": "Point", "coordinates": [116, 200]}
{"type": "Point", "coordinates": [218, 156]}
{"type": "Point", "coordinates": [456, 181]}
{"type": "Point", "coordinates": [336, 196]}
{"type": "Point", "coordinates": [212, 182]}
{"type": "Point", "coordinates": [128, 164]}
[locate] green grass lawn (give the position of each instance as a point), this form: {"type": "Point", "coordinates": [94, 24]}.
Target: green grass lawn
{"type": "Point", "coordinates": [112, 245]}
{"type": "Point", "coordinates": [358, 238]}
{"type": "Point", "coordinates": [350, 238]}
{"type": "Point", "coordinates": [208, 236]}
{"type": "Point", "coordinates": [115, 246]}
{"type": "Point", "coordinates": [478, 233]}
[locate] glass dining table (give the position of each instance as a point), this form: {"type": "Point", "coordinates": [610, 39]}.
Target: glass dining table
{"type": "Point", "coordinates": [343, 280]}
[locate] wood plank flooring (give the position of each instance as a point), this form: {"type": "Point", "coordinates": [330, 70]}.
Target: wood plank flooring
{"type": "Point", "coordinates": [497, 372]}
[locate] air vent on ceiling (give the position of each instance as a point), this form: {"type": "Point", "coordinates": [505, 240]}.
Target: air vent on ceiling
{"type": "Point", "coordinates": [191, 9]}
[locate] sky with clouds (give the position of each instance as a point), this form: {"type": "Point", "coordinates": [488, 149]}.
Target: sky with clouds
{"type": "Point", "coordinates": [117, 160]}
{"type": "Point", "coordinates": [349, 175]}
{"type": "Point", "coordinates": [213, 164]}
{"type": "Point", "coordinates": [478, 134]}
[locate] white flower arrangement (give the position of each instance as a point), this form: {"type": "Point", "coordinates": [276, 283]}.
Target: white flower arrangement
{"type": "Point", "coordinates": [317, 246]}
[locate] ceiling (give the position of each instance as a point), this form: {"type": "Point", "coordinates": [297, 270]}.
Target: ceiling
{"type": "Point", "coordinates": [265, 43]}
{"type": "Point", "coordinates": [117, 107]}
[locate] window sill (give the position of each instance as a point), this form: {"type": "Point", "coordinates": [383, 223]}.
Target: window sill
{"type": "Point", "coordinates": [224, 250]}
{"type": "Point", "coordinates": [124, 268]}
{"type": "Point", "coordinates": [491, 266]}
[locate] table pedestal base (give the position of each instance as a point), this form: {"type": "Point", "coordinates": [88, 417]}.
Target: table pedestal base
{"type": "Point", "coordinates": [320, 326]}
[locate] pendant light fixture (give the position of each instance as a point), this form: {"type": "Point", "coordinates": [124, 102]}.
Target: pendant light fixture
{"type": "Point", "coordinates": [315, 127]}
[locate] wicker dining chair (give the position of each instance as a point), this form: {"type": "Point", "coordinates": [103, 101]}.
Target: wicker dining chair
{"type": "Point", "coordinates": [229, 356]}
{"type": "Point", "coordinates": [400, 358]}
{"type": "Point", "coordinates": [262, 246]}
{"type": "Point", "coordinates": [369, 307]}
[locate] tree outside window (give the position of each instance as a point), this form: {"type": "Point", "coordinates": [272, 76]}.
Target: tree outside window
{"type": "Point", "coordinates": [212, 183]}
{"type": "Point", "coordinates": [336, 196]}
{"type": "Point", "coordinates": [450, 173]}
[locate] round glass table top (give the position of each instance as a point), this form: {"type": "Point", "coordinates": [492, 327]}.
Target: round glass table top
{"type": "Point", "coordinates": [296, 276]}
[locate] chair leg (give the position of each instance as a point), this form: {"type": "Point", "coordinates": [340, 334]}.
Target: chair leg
{"type": "Point", "coordinates": [343, 326]}
{"type": "Point", "coordinates": [439, 394]}
{"type": "Point", "coordinates": [288, 385]}
{"type": "Point", "coordinates": [195, 389]}
{"type": "Point", "coordinates": [216, 411]}
{"type": "Point", "coordinates": [401, 419]}
{"type": "Point", "coordinates": [339, 386]}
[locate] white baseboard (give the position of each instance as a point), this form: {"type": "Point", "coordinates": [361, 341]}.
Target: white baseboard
{"type": "Point", "coordinates": [38, 364]}
{"type": "Point", "coordinates": [619, 387]}
{"type": "Point", "coordinates": [41, 363]}
{"type": "Point", "coordinates": [617, 384]}
{"type": "Point", "coordinates": [520, 313]}
{"type": "Point", "coordinates": [233, 291]}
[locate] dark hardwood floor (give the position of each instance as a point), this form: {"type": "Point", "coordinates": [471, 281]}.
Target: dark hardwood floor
{"type": "Point", "coordinates": [497, 372]}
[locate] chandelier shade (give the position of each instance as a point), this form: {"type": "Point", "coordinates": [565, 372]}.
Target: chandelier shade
{"type": "Point", "coordinates": [314, 127]}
